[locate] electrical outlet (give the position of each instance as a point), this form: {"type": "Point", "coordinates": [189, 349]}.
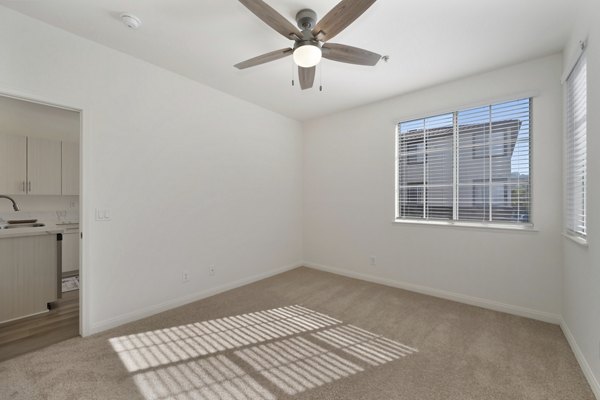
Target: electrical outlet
{"type": "Point", "coordinates": [373, 260]}
{"type": "Point", "coordinates": [211, 270]}
{"type": "Point", "coordinates": [73, 204]}
{"type": "Point", "coordinates": [185, 277]}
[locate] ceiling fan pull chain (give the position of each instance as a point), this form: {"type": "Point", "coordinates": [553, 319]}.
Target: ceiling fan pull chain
{"type": "Point", "coordinates": [293, 65]}
{"type": "Point", "coordinates": [320, 77]}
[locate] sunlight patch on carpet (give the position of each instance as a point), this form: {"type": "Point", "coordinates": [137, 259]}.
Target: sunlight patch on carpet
{"type": "Point", "coordinates": [258, 355]}
{"type": "Point", "coordinates": [372, 349]}
{"type": "Point", "coordinates": [163, 346]}
{"type": "Point", "coordinates": [208, 378]}
{"type": "Point", "coordinates": [296, 364]}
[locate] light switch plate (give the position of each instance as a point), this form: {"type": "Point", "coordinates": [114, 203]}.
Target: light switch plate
{"type": "Point", "coordinates": [102, 214]}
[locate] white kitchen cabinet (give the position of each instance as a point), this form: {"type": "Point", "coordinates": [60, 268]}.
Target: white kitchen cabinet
{"type": "Point", "coordinates": [13, 164]}
{"type": "Point", "coordinates": [38, 166]}
{"type": "Point", "coordinates": [43, 166]}
{"type": "Point", "coordinates": [70, 251]}
{"type": "Point", "coordinates": [70, 169]}
{"type": "Point", "coordinates": [28, 275]}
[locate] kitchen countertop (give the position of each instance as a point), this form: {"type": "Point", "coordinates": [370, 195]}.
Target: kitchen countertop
{"type": "Point", "coordinates": [54, 222]}
{"type": "Point", "coordinates": [48, 229]}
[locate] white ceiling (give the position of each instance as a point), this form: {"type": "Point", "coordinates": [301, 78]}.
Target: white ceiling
{"type": "Point", "coordinates": [428, 41]}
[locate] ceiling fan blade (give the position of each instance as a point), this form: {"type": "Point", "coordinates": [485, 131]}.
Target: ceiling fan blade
{"type": "Point", "coordinates": [264, 58]}
{"type": "Point", "coordinates": [306, 77]}
{"type": "Point", "coordinates": [349, 54]}
{"type": "Point", "coordinates": [272, 18]}
{"type": "Point", "coordinates": [342, 15]}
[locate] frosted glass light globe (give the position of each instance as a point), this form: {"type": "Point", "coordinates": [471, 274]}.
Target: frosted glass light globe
{"type": "Point", "coordinates": [307, 56]}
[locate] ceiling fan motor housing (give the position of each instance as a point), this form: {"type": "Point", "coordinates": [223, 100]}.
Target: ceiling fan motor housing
{"type": "Point", "coordinates": [306, 19]}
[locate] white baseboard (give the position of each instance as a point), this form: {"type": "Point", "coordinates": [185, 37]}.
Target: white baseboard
{"type": "Point", "coordinates": [585, 366]}
{"type": "Point", "coordinates": [180, 301]}
{"type": "Point", "coordinates": [460, 298]}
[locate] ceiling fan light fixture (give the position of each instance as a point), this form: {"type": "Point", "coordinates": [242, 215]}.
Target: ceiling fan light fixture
{"type": "Point", "coordinates": [307, 55]}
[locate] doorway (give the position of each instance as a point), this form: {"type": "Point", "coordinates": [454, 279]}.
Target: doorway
{"type": "Point", "coordinates": [40, 235]}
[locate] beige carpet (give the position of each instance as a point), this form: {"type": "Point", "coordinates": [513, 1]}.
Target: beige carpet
{"type": "Point", "coordinates": [306, 334]}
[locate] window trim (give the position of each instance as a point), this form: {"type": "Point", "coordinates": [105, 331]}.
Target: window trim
{"type": "Point", "coordinates": [502, 226]}
{"type": "Point", "coordinates": [485, 225]}
{"type": "Point", "coordinates": [577, 239]}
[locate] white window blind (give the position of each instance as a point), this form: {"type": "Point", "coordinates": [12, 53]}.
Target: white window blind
{"type": "Point", "coordinates": [576, 166]}
{"type": "Point", "coordinates": [426, 154]}
{"type": "Point", "coordinates": [470, 165]}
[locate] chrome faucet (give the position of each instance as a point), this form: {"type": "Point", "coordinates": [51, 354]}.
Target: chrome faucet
{"type": "Point", "coordinates": [15, 207]}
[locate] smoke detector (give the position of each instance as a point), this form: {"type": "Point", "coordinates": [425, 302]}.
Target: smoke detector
{"type": "Point", "coordinates": [131, 21]}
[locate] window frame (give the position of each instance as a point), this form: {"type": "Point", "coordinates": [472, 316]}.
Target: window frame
{"type": "Point", "coordinates": [469, 224]}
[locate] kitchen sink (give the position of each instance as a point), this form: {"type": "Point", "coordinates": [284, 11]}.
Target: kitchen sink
{"type": "Point", "coordinates": [14, 226]}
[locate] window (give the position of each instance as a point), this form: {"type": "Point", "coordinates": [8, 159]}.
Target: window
{"type": "Point", "coordinates": [576, 151]}
{"type": "Point", "coordinates": [497, 147]}
{"type": "Point", "coordinates": [415, 194]}
{"type": "Point", "coordinates": [415, 152]}
{"type": "Point", "coordinates": [413, 199]}
{"type": "Point", "coordinates": [471, 165]}
{"type": "Point", "coordinates": [481, 192]}
{"type": "Point", "coordinates": [429, 176]}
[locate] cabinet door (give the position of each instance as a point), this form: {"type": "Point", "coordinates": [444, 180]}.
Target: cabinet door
{"type": "Point", "coordinates": [70, 252]}
{"type": "Point", "coordinates": [43, 166]}
{"type": "Point", "coordinates": [13, 164]}
{"type": "Point", "coordinates": [70, 169]}
{"type": "Point", "coordinates": [28, 279]}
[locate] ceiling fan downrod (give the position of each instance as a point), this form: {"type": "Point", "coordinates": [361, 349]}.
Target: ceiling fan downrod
{"type": "Point", "coordinates": [306, 19]}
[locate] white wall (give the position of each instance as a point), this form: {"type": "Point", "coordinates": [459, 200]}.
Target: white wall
{"type": "Point", "coordinates": [192, 176]}
{"type": "Point", "coordinates": [581, 289]}
{"type": "Point", "coordinates": [349, 200]}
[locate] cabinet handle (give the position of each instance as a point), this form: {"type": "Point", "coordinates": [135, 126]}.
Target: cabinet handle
{"type": "Point", "coordinates": [29, 186]}
{"type": "Point", "coordinates": [23, 186]}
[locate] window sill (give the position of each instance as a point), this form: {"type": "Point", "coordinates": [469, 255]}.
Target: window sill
{"type": "Point", "coordinates": [470, 225]}
{"type": "Point", "coordinates": [577, 239]}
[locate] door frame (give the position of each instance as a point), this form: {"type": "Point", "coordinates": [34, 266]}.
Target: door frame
{"type": "Point", "coordinates": [84, 190]}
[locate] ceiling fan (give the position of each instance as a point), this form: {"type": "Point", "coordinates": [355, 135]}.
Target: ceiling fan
{"type": "Point", "coordinates": [311, 41]}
